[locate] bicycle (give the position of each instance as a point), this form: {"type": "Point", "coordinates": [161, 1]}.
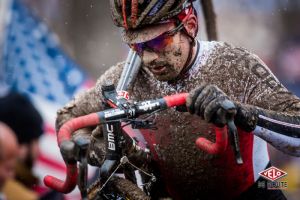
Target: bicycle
{"type": "Point", "coordinates": [120, 110]}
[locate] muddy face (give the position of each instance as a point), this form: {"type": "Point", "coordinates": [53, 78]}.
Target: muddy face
{"type": "Point", "coordinates": [167, 63]}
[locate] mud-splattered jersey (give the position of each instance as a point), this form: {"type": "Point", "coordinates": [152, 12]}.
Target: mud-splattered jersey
{"type": "Point", "coordinates": [189, 172]}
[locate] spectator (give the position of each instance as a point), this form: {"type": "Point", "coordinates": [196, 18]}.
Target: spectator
{"type": "Point", "coordinates": [8, 155]}
{"type": "Point", "coordinates": [19, 114]}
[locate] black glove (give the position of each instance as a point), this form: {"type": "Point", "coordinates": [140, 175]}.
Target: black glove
{"type": "Point", "coordinates": [211, 104]}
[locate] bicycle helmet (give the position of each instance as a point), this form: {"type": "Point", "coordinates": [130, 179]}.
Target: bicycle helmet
{"type": "Point", "coordinates": [143, 20]}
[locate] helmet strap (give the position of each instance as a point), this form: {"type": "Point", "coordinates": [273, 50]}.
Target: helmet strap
{"type": "Point", "coordinates": [190, 55]}
{"type": "Point", "coordinates": [181, 18]}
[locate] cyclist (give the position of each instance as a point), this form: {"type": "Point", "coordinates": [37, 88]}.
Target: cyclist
{"type": "Point", "coordinates": [173, 61]}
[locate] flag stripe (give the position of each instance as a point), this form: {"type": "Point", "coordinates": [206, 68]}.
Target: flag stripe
{"type": "Point", "coordinates": [51, 163]}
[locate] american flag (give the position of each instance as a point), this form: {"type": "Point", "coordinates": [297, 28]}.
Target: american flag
{"type": "Point", "coordinates": [34, 64]}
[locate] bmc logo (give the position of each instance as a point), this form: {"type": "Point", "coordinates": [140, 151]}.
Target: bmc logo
{"type": "Point", "coordinates": [272, 173]}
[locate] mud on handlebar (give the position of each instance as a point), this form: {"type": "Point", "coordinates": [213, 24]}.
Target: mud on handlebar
{"type": "Point", "coordinates": [129, 112]}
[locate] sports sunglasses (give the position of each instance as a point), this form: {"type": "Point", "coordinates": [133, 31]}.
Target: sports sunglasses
{"type": "Point", "coordinates": [158, 43]}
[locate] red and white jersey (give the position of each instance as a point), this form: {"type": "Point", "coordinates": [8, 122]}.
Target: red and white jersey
{"type": "Point", "coordinates": [189, 172]}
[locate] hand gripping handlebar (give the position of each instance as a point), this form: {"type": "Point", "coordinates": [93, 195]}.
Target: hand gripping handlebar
{"type": "Point", "coordinates": [65, 133]}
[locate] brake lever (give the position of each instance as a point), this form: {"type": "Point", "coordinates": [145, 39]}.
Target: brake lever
{"type": "Point", "coordinates": [230, 108]}
{"type": "Point", "coordinates": [234, 139]}
{"type": "Point", "coordinates": [81, 146]}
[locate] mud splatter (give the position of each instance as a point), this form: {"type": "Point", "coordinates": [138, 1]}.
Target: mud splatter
{"type": "Point", "coordinates": [192, 173]}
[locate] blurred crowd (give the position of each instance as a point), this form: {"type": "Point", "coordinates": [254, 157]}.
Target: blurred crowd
{"type": "Point", "coordinates": [20, 128]}
{"type": "Point", "coordinates": [268, 28]}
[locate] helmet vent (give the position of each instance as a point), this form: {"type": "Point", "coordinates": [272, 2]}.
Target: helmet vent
{"type": "Point", "coordinates": [134, 11]}
{"type": "Point", "coordinates": [156, 7]}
